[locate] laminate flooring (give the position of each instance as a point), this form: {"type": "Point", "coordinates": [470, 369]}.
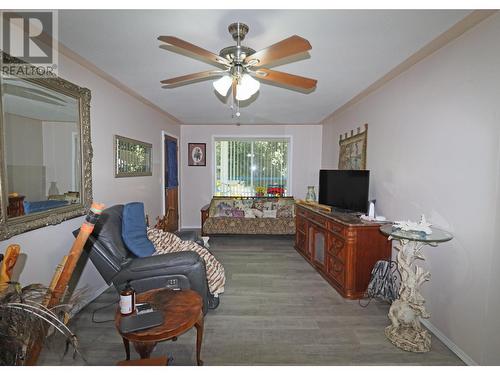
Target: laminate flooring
{"type": "Point", "coordinates": [276, 310]}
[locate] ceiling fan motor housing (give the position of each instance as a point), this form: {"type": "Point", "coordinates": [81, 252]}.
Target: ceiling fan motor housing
{"type": "Point", "coordinates": [236, 53]}
{"type": "Point", "coordinates": [238, 30]}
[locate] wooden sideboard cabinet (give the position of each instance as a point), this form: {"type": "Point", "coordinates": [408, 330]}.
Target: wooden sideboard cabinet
{"type": "Point", "coordinates": [341, 247]}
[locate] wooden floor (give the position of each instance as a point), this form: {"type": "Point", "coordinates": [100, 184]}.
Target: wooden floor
{"type": "Point", "coordinates": [276, 310]}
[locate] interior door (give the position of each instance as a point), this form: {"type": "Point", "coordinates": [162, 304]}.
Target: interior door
{"type": "Point", "coordinates": [171, 223]}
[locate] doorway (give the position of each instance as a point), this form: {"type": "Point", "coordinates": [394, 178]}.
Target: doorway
{"type": "Point", "coordinates": [171, 185]}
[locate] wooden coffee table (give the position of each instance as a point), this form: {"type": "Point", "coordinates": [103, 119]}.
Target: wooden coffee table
{"type": "Point", "coordinates": [181, 309]}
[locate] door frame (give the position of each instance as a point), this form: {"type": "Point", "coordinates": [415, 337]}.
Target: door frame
{"type": "Point", "coordinates": [177, 138]}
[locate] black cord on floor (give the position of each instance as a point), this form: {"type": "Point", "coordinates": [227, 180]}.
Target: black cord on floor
{"type": "Point", "coordinates": [102, 308]}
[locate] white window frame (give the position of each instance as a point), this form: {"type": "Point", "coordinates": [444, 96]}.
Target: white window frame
{"type": "Point", "coordinates": [254, 137]}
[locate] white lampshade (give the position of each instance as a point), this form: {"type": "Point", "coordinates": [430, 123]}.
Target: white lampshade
{"type": "Point", "coordinates": [246, 87]}
{"type": "Point", "coordinates": [223, 84]}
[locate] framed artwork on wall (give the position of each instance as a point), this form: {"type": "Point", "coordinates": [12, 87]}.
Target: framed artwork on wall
{"type": "Point", "coordinates": [197, 154]}
{"type": "Point", "coordinates": [132, 157]}
{"type": "Point", "coordinates": [352, 154]}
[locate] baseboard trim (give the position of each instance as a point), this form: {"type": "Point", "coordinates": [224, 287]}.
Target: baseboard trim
{"type": "Point", "coordinates": [82, 304]}
{"type": "Point", "coordinates": [450, 344]}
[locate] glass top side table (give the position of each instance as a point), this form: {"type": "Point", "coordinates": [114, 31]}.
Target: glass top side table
{"type": "Point", "coordinates": [405, 313]}
{"type": "Point", "coordinates": [437, 235]}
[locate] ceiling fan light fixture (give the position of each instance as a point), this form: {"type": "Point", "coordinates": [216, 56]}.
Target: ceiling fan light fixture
{"type": "Point", "coordinates": [223, 84]}
{"type": "Point", "coordinates": [247, 87]}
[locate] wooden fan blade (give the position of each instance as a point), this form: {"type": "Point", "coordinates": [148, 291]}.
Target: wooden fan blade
{"type": "Point", "coordinates": [191, 78]}
{"type": "Point", "coordinates": [193, 50]}
{"type": "Point", "coordinates": [287, 47]}
{"type": "Point", "coordinates": [286, 79]}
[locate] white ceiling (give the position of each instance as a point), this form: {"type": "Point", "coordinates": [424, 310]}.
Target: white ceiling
{"type": "Point", "coordinates": [350, 50]}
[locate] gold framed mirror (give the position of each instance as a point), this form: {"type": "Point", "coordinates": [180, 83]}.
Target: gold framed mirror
{"type": "Point", "coordinates": [45, 152]}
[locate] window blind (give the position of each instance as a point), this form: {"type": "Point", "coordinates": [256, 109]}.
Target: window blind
{"type": "Point", "coordinates": [243, 165]}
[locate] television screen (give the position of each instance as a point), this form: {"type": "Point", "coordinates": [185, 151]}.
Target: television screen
{"type": "Point", "coordinates": [344, 189]}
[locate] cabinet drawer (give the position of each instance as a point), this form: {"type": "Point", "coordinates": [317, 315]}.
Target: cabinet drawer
{"type": "Point", "coordinates": [318, 220]}
{"type": "Point", "coordinates": [335, 227]}
{"type": "Point", "coordinates": [299, 211]}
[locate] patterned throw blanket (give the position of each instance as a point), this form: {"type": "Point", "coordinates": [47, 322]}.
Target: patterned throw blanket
{"type": "Point", "coordinates": [166, 242]}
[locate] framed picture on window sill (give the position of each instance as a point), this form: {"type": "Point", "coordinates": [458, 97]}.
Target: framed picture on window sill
{"type": "Point", "coordinates": [197, 153]}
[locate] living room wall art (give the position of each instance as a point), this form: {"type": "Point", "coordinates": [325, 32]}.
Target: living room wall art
{"type": "Point", "coordinates": [197, 153]}
{"type": "Point", "coordinates": [132, 157]}
{"type": "Point", "coordinates": [352, 154]}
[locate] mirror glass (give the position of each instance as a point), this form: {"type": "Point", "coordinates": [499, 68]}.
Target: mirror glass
{"type": "Point", "coordinates": [42, 148]}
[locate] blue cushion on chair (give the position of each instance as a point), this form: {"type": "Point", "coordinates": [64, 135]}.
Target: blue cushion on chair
{"type": "Point", "coordinates": [134, 232]}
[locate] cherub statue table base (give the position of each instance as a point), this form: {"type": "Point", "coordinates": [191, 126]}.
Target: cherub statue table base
{"type": "Point", "coordinates": [406, 331]}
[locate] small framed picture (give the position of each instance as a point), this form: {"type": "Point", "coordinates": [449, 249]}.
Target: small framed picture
{"type": "Point", "coordinates": [197, 154]}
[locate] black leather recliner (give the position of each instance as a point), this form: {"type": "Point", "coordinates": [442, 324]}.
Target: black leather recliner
{"type": "Point", "coordinates": [117, 265]}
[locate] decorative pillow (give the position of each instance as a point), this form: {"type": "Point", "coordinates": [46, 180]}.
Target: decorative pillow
{"type": "Point", "coordinates": [225, 213]}
{"type": "Point", "coordinates": [222, 207]}
{"type": "Point", "coordinates": [285, 208]}
{"type": "Point", "coordinates": [243, 204]}
{"type": "Point", "coordinates": [269, 214]}
{"type": "Point", "coordinates": [285, 211]}
{"type": "Point", "coordinates": [259, 204]}
{"type": "Point", "coordinates": [257, 213]}
{"type": "Point", "coordinates": [268, 206]}
{"type": "Point", "coordinates": [134, 231]}
{"type": "Point", "coordinates": [238, 213]}
{"type": "Point", "coordinates": [249, 213]}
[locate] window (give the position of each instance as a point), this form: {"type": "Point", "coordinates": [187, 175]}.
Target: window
{"type": "Point", "coordinates": [248, 167]}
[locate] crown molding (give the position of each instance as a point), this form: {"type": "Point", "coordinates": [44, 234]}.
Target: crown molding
{"type": "Point", "coordinates": [69, 53]}
{"type": "Point", "coordinates": [448, 36]}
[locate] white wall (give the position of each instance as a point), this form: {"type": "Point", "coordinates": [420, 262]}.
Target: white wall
{"type": "Point", "coordinates": [58, 154]}
{"type": "Point", "coordinates": [112, 112]}
{"type": "Point", "coordinates": [433, 148]}
{"type": "Point", "coordinates": [196, 182]}
{"type": "Point", "coordinates": [24, 157]}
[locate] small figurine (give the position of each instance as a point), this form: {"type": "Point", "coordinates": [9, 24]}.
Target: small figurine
{"type": "Point", "coordinates": [422, 226]}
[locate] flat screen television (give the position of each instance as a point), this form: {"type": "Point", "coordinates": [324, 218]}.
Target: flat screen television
{"type": "Point", "coordinates": [344, 189]}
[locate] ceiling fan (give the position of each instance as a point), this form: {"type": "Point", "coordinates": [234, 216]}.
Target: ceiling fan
{"type": "Point", "coordinates": [240, 65]}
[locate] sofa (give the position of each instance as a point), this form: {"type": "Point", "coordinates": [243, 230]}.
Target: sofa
{"type": "Point", "coordinates": [249, 215]}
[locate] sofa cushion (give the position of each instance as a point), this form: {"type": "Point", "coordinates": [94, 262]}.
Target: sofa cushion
{"type": "Point", "coordinates": [134, 231]}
